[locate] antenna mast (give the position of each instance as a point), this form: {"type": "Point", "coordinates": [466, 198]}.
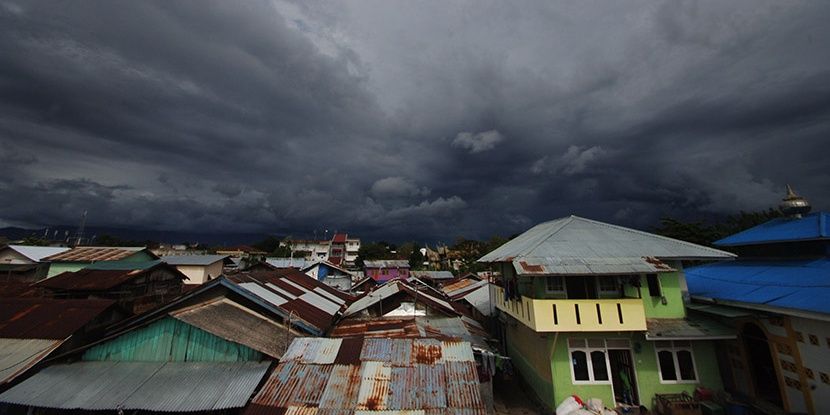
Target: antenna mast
{"type": "Point", "coordinates": [79, 234]}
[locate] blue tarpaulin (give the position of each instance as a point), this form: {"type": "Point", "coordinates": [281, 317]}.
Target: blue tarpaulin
{"type": "Point", "coordinates": [813, 226]}
{"type": "Point", "coordinates": [795, 284]}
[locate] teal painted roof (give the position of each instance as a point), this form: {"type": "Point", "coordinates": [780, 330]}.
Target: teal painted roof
{"type": "Point", "coordinates": [123, 265]}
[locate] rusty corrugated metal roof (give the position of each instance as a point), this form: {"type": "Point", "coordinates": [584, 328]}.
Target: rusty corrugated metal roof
{"type": "Point", "coordinates": [232, 321]}
{"type": "Point", "coordinates": [392, 375]}
{"type": "Point", "coordinates": [42, 318]}
{"type": "Point", "coordinates": [93, 279]}
{"type": "Point", "coordinates": [95, 253]}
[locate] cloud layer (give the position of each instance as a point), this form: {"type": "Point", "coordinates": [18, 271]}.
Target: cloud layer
{"type": "Point", "coordinates": [398, 120]}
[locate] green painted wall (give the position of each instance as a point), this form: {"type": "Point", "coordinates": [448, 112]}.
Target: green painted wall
{"type": "Point", "coordinates": [56, 268]}
{"type": "Point", "coordinates": [562, 381]}
{"type": "Point", "coordinates": [553, 387]}
{"type": "Point", "coordinates": [670, 287]}
{"type": "Point", "coordinates": [171, 340]}
{"type": "Point", "coordinates": [529, 354]}
{"type": "Point", "coordinates": [648, 379]}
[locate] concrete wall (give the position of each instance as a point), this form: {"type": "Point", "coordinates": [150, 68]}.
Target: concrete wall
{"type": "Point", "coordinates": [9, 256]}
{"type": "Point", "coordinates": [528, 352]}
{"type": "Point", "coordinates": [198, 274]}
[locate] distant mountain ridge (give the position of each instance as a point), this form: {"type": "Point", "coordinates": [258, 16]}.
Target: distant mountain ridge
{"type": "Point", "coordinates": [171, 237]}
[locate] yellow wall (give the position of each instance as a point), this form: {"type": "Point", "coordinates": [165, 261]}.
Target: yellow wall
{"type": "Point", "coordinates": [539, 314]}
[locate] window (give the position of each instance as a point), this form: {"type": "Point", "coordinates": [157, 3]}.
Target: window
{"type": "Point", "coordinates": [608, 286]}
{"type": "Point", "coordinates": [555, 284]}
{"type": "Point", "coordinates": [675, 362]}
{"type": "Point", "coordinates": [589, 361]}
{"type": "Point", "coordinates": [653, 285]}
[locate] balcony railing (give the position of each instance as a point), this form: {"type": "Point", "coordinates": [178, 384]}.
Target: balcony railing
{"type": "Point", "coordinates": [618, 314]}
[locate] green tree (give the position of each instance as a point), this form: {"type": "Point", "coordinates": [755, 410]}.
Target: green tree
{"type": "Point", "coordinates": [703, 233]}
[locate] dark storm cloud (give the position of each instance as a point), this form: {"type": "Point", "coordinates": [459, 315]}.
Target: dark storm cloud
{"type": "Point", "coordinates": [407, 120]}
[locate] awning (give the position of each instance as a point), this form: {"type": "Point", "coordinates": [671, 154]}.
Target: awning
{"type": "Point", "coordinates": [720, 310]}
{"type": "Point", "coordinates": [690, 328]}
{"type": "Point", "coordinates": [149, 386]}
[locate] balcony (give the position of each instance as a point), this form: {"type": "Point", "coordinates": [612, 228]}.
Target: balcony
{"type": "Point", "coordinates": [618, 314]}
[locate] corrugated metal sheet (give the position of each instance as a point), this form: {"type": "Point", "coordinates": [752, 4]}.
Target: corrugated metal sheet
{"type": "Point", "coordinates": [169, 339]}
{"type": "Point", "coordinates": [394, 287]}
{"type": "Point", "coordinates": [796, 284]}
{"type": "Point", "coordinates": [575, 245]}
{"type": "Point", "coordinates": [433, 275]}
{"type": "Point", "coordinates": [374, 386]}
{"type": "Point", "coordinates": [281, 291]}
{"type": "Point", "coordinates": [297, 263]}
{"type": "Point", "coordinates": [330, 296]}
{"type": "Point", "coordinates": [41, 318]}
{"type": "Point", "coordinates": [462, 384]}
{"type": "Point", "coordinates": [320, 302]}
{"type": "Point", "coordinates": [37, 253]}
{"type": "Point", "coordinates": [237, 323]}
{"type": "Point", "coordinates": [264, 293]}
{"type": "Point", "coordinates": [386, 263]}
{"type": "Point", "coordinates": [193, 259]}
{"type": "Point", "coordinates": [341, 391]}
{"type": "Point", "coordinates": [94, 254]}
{"type": "Point", "coordinates": [456, 351]}
{"type": "Point", "coordinates": [463, 286]}
{"type": "Point", "coordinates": [313, 350]}
{"type": "Point", "coordinates": [812, 226]}
{"type": "Point", "coordinates": [18, 355]}
{"type": "Point", "coordinates": [413, 377]}
{"type": "Point", "coordinates": [150, 386]}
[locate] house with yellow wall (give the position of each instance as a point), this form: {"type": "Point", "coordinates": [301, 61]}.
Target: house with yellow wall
{"type": "Point", "coordinates": [598, 310]}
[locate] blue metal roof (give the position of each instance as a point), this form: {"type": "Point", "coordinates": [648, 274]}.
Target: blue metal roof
{"type": "Point", "coordinates": [797, 284]}
{"type": "Point", "coordinates": [815, 225]}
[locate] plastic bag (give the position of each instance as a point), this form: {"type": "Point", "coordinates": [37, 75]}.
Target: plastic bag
{"type": "Point", "coordinates": [595, 405]}
{"type": "Point", "coordinates": [568, 405]}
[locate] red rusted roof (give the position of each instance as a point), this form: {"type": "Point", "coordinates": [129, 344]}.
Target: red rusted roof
{"type": "Point", "coordinates": [310, 300]}
{"type": "Point", "coordinates": [101, 279]}
{"type": "Point", "coordinates": [339, 238]}
{"type": "Point", "coordinates": [11, 289]}
{"type": "Point", "coordinates": [392, 375]}
{"type": "Point", "coordinates": [41, 318]}
{"type": "Point", "coordinates": [94, 254]}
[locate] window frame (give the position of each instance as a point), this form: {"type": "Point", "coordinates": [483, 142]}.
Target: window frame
{"type": "Point", "coordinates": [589, 362]}
{"type": "Point", "coordinates": [563, 292]}
{"type": "Point", "coordinates": [657, 283]}
{"type": "Point", "coordinates": [673, 349]}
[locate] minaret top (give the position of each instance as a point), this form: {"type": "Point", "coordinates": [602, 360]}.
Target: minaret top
{"type": "Point", "coordinates": [794, 205]}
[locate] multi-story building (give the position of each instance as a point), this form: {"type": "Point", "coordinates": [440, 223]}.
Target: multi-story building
{"type": "Point", "coordinates": [776, 297]}
{"type": "Point", "coordinates": [339, 250]}
{"type": "Point", "coordinates": [597, 310]}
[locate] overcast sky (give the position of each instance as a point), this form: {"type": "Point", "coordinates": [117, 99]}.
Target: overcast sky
{"type": "Point", "coordinates": [393, 119]}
